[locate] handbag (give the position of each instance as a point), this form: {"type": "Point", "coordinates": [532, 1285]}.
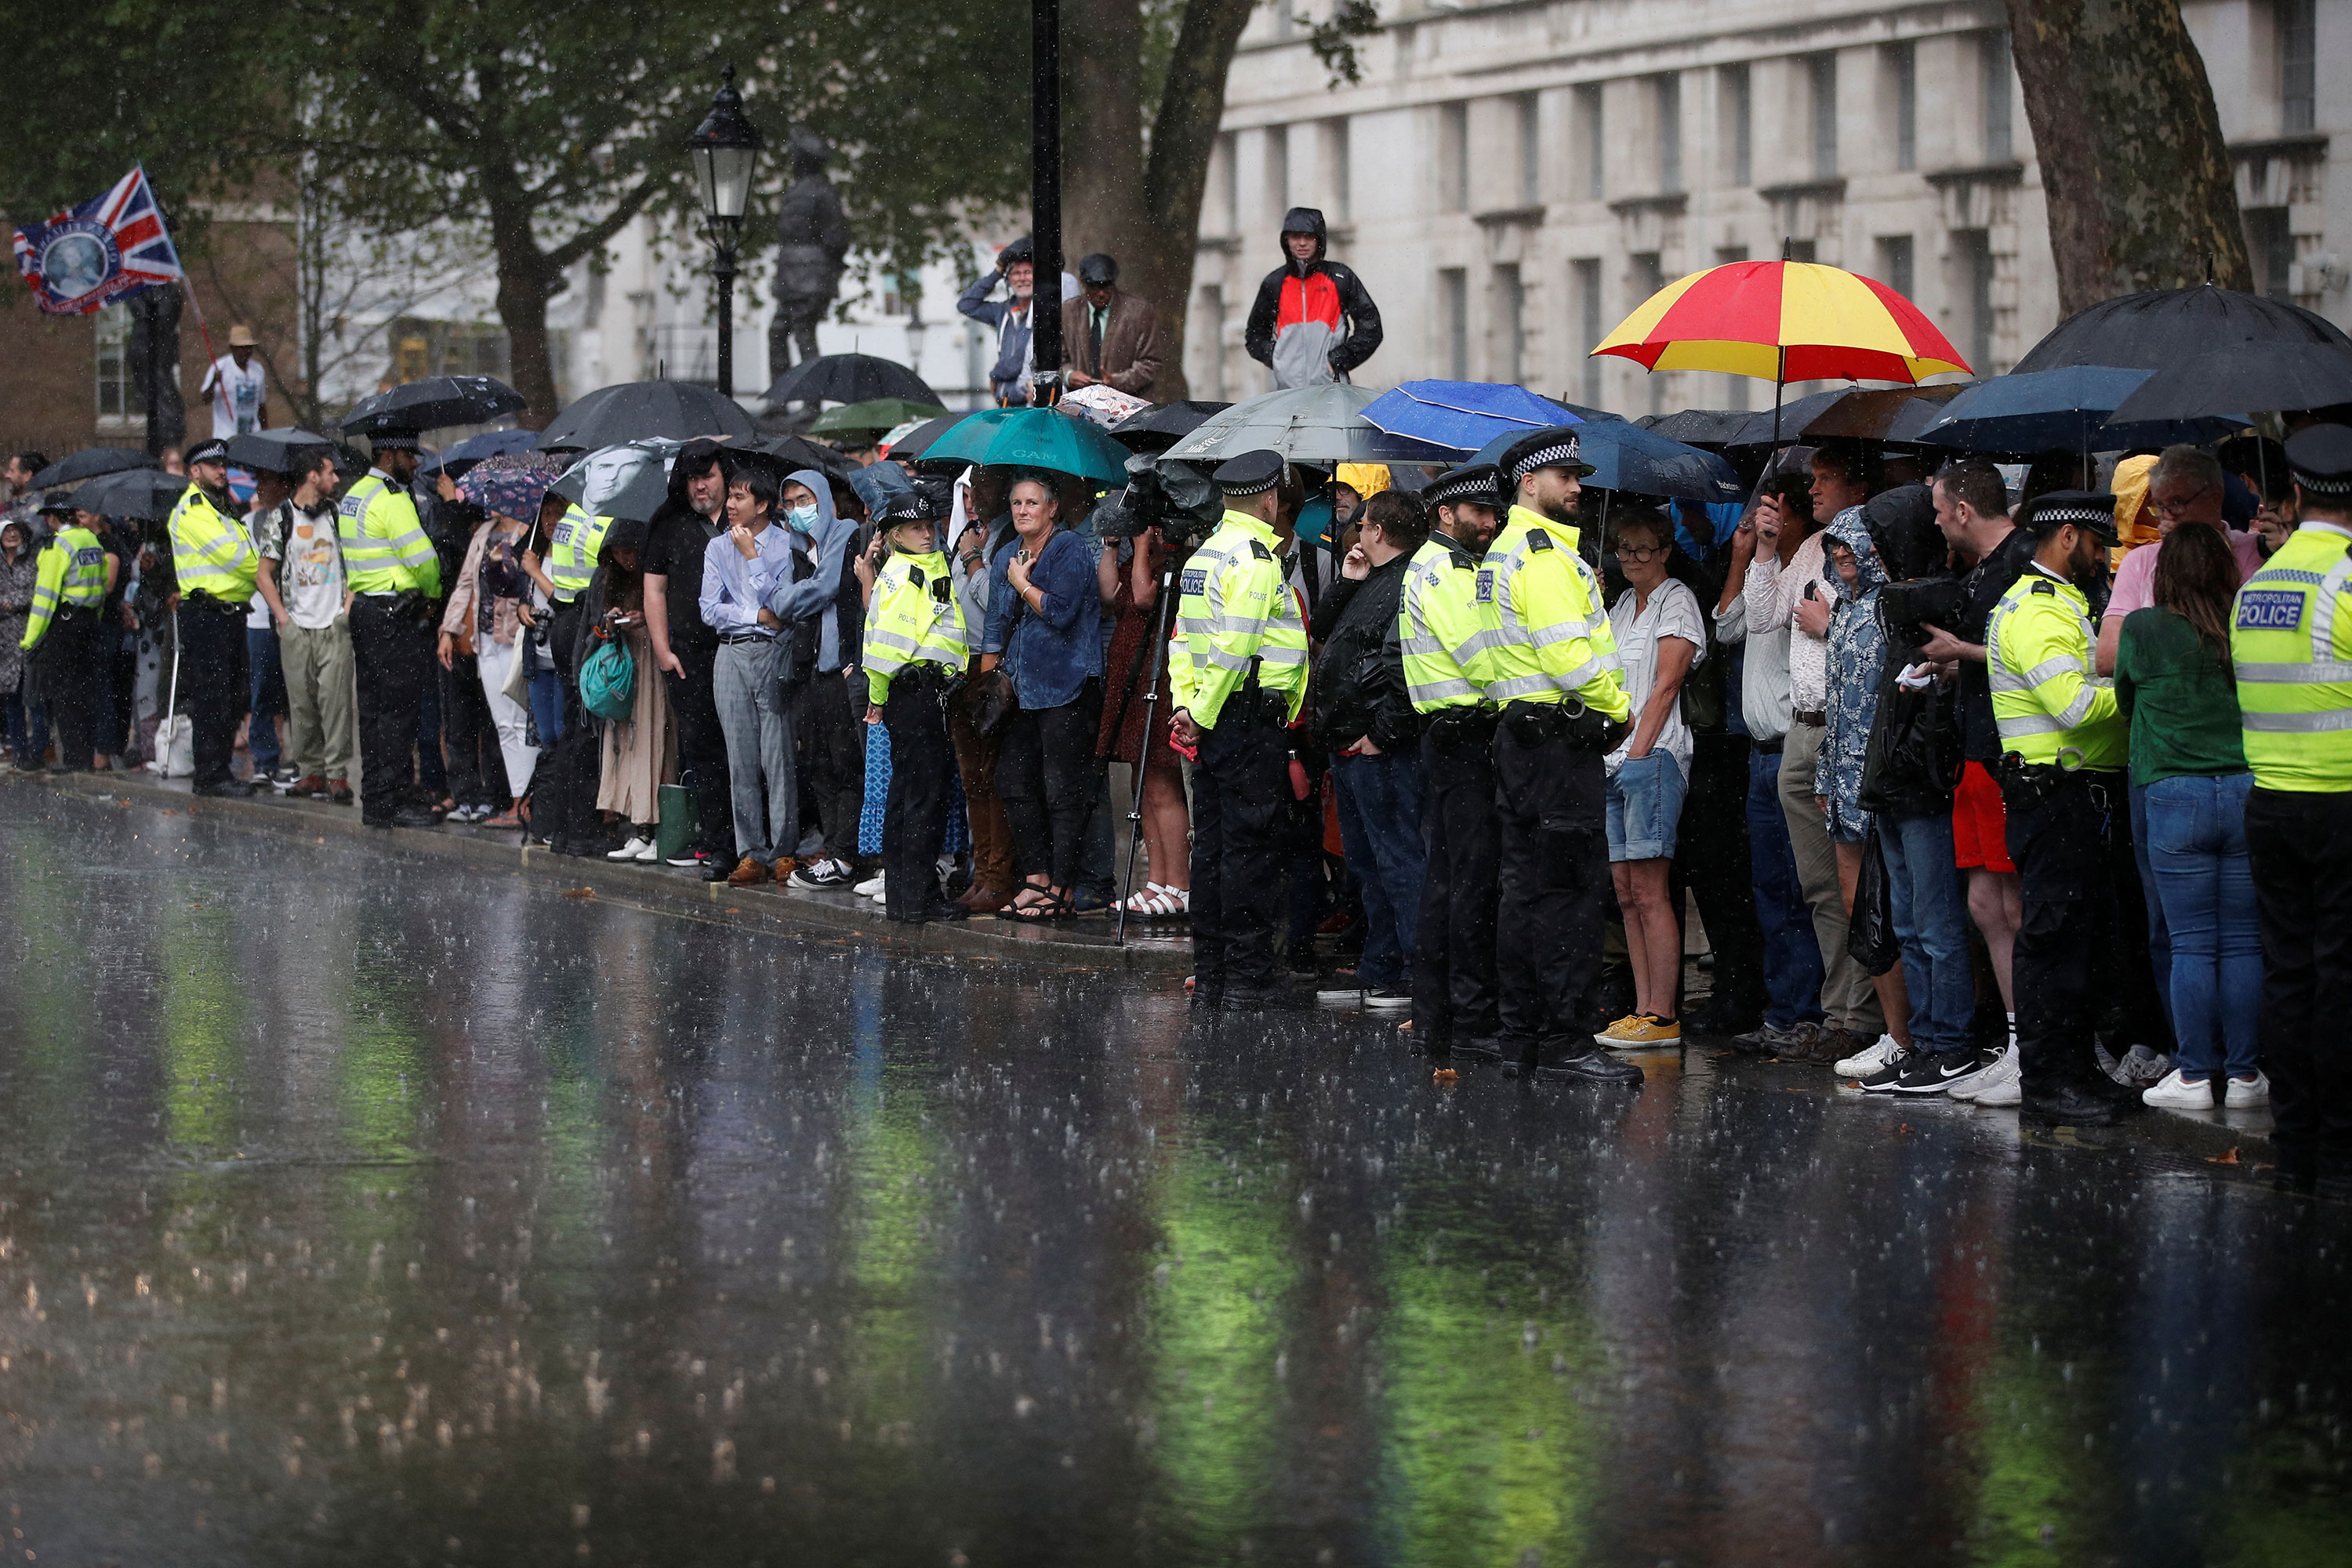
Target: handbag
{"type": "Point", "coordinates": [1912, 763]}
{"type": "Point", "coordinates": [991, 701]}
{"type": "Point", "coordinates": [516, 686]}
{"type": "Point", "coordinates": [608, 679]}
{"type": "Point", "coordinates": [1870, 936]}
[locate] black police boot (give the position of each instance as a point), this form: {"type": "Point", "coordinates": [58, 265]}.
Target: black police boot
{"type": "Point", "coordinates": [1576, 1058]}
{"type": "Point", "coordinates": [414, 815]}
{"type": "Point", "coordinates": [1485, 1047]}
{"type": "Point", "coordinates": [2072, 1105]}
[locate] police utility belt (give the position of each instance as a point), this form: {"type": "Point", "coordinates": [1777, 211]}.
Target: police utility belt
{"type": "Point", "coordinates": [1465, 727]}
{"type": "Point", "coordinates": [2024, 784]}
{"type": "Point", "coordinates": [197, 599]}
{"type": "Point", "coordinates": [928, 674]}
{"type": "Point", "coordinates": [1582, 729]}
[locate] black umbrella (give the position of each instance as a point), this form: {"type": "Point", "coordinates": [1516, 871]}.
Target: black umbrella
{"type": "Point", "coordinates": [2274, 379]}
{"type": "Point", "coordinates": [646, 410]}
{"type": "Point", "coordinates": [88, 464]}
{"type": "Point", "coordinates": [1698, 426]}
{"type": "Point", "coordinates": [850, 378]}
{"type": "Point", "coordinates": [1893, 414]}
{"type": "Point", "coordinates": [1794, 416]}
{"type": "Point", "coordinates": [430, 403]}
{"type": "Point", "coordinates": [910, 447]}
{"type": "Point", "coordinates": [2166, 328]}
{"type": "Point", "coordinates": [791, 453]}
{"type": "Point", "coordinates": [148, 494]}
{"type": "Point", "coordinates": [267, 450]}
{"type": "Point", "coordinates": [1161, 427]}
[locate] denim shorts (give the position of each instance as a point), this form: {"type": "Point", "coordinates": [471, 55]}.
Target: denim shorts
{"type": "Point", "coordinates": [1645, 804]}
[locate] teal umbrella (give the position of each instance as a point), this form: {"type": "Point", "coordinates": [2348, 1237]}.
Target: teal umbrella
{"type": "Point", "coordinates": [1032, 438]}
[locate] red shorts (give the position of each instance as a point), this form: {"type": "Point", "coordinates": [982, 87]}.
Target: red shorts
{"type": "Point", "coordinates": [1980, 823]}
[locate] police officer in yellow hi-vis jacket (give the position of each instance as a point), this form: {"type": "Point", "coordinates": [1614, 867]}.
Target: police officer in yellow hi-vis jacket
{"type": "Point", "coordinates": [2064, 743]}
{"type": "Point", "coordinates": [2291, 639]}
{"type": "Point", "coordinates": [1444, 638]}
{"type": "Point", "coordinates": [394, 574]}
{"type": "Point", "coordinates": [216, 565]}
{"type": "Point", "coordinates": [1555, 675]}
{"type": "Point", "coordinates": [71, 577]}
{"type": "Point", "coordinates": [1237, 677]}
{"type": "Point", "coordinates": [915, 651]}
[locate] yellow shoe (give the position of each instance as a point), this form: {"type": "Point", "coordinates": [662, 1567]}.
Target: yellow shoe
{"type": "Point", "coordinates": [1642, 1032]}
{"type": "Point", "coordinates": [1609, 1035]}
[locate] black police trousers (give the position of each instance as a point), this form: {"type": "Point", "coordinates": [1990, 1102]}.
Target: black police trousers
{"type": "Point", "coordinates": [1454, 943]}
{"type": "Point", "coordinates": [1553, 890]}
{"type": "Point", "coordinates": [702, 744]}
{"type": "Point", "coordinates": [2301, 847]}
{"type": "Point", "coordinates": [69, 681]}
{"type": "Point", "coordinates": [1240, 788]}
{"type": "Point", "coordinates": [2068, 960]}
{"type": "Point", "coordinates": [915, 811]}
{"type": "Point", "coordinates": [564, 787]}
{"type": "Point", "coordinates": [394, 656]}
{"type": "Point", "coordinates": [1711, 858]}
{"type": "Point", "coordinates": [213, 687]}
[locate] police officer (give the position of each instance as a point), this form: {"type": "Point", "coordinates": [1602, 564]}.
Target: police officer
{"type": "Point", "coordinates": [1563, 705]}
{"type": "Point", "coordinates": [2291, 636]}
{"type": "Point", "coordinates": [1446, 668]}
{"type": "Point", "coordinates": [72, 577]}
{"type": "Point", "coordinates": [214, 561]}
{"type": "Point", "coordinates": [1237, 677]}
{"type": "Point", "coordinates": [393, 573]}
{"type": "Point", "coordinates": [564, 794]}
{"type": "Point", "coordinates": [916, 649]}
{"type": "Point", "coordinates": [2064, 743]}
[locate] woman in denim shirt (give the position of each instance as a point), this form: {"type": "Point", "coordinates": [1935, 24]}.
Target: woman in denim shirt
{"type": "Point", "coordinates": [1044, 627]}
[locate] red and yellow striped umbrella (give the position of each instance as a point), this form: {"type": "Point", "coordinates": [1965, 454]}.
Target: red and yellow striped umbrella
{"type": "Point", "coordinates": [1783, 320]}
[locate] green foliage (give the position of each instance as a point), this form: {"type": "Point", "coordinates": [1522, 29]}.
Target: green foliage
{"type": "Point", "coordinates": [1334, 39]}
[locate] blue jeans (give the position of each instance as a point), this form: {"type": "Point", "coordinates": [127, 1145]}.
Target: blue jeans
{"type": "Point", "coordinates": [1931, 921]}
{"type": "Point", "coordinates": [2159, 938]}
{"type": "Point", "coordinates": [28, 734]}
{"type": "Point", "coordinates": [547, 707]}
{"type": "Point", "coordinates": [265, 696]}
{"type": "Point", "coordinates": [2195, 842]}
{"type": "Point", "coordinates": [1792, 955]}
{"type": "Point", "coordinates": [1380, 826]}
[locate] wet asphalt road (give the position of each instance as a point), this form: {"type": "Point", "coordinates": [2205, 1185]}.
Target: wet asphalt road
{"type": "Point", "coordinates": [357, 1209]}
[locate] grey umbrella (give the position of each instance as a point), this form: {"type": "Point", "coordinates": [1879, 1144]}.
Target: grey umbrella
{"type": "Point", "coordinates": [88, 464]}
{"type": "Point", "coordinates": [148, 494]}
{"type": "Point", "coordinates": [430, 403]}
{"type": "Point", "coordinates": [2273, 378]}
{"type": "Point", "coordinates": [269, 449]}
{"type": "Point", "coordinates": [1307, 425]}
{"type": "Point", "coordinates": [644, 411]}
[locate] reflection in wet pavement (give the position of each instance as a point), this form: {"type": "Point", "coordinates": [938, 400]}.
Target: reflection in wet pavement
{"type": "Point", "coordinates": [361, 1209]}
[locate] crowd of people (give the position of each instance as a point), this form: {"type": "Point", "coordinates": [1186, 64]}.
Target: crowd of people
{"type": "Point", "coordinates": [1991, 786]}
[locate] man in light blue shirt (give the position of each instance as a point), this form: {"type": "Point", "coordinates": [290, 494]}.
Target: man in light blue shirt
{"type": "Point", "coordinates": [740, 569]}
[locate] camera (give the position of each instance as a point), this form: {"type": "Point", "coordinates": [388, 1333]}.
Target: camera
{"type": "Point", "coordinates": [1169, 494]}
{"type": "Point", "coordinates": [1909, 606]}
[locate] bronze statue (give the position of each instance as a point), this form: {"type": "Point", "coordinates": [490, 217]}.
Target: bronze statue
{"type": "Point", "coordinates": [813, 239]}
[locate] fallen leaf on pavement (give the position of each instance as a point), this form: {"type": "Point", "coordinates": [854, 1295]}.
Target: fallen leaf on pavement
{"type": "Point", "coordinates": [2226, 1157]}
{"type": "Point", "coordinates": [579, 892]}
{"type": "Point", "coordinates": [1445, 1075]}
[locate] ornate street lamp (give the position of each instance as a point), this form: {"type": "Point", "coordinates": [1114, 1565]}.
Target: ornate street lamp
{"type": "Point", "coordinates": [724, 147]}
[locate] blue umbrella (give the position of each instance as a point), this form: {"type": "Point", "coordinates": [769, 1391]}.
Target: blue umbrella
{"type": "Point", "coordinates": [2061, 410]}
{"type": "Point", "coordinates": [460, 456]}
{"type": "Point", "coordinates": [1625, 457]}
{"type": "Point", "coordinates": [1463, 414]}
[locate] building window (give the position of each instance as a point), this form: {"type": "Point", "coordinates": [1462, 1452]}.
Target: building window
{"type": "Point", "coordinates": [1530, 151]}
{"type": "Point", "coordinates": [1454, 156]}
{"type": "Point", "coordinates": [1588, 126]}
{"type": "Point", "coordinates": [1738, 119]}
{"type": "Point", "coordinates": [1277, 169]}
{"type": "Point", "coordinates": [1999, 147]}
{"type": "Point", "coordinates": [120, 397]}
{"type": "Point", "coordinates": [1227, 174]}
{"type": "Point", "coordinates": [1335, 155]}
{"type": "Point", "coordinates": [1585, 273]}
{"type": "Point", "coordinates": [2269, 243]}
{"type": "Point", "coordinates": [1823, 70]}
{"type": "Point", "coordinates": [1454, 320]}
{"type": "Point", "coordinates": [1668, 90]}
{"type": "Point", "coordinates": [2298, 66]}
{"type": "Point", "coordinates": [1903, 65]}
{"type": "Point", "coordinates": [1510, 323]}
{"type": "Point", "coordinates": [1972, 248]}
{"type": "Point", "coordinates": [1894, 262]}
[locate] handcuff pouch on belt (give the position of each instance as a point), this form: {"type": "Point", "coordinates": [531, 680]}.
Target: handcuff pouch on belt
{"type": "Point", "coordinates": [1581, 728]}
{"type": "Point", "coordinates": [1461, 728]}
{"type": "Point", "coordinates": [2024, 784]}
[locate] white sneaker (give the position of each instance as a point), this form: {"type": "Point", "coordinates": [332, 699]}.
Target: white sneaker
{"type": "Point", "coordinates": [1966, 1086]}
{"type": "Point", "coordinates": [1999, 1087]}
{"type": "Point", "coordinates": [869, 889]}
{"type": "Point", "coordinates": [2175, 1092]}
{"type": "Point", "coordinates": [879, 896]}
{"type": "Point", "coordinates": [634, 850]}
{"type": "Point", "coordinates": [2245, 1093]}
{"type": "Point", "coordinates": [1862, 1063]}
{"type": "Point", "coordinates": [2143, 1066]}
{"type": "Point", "coordinates": [649, 854]}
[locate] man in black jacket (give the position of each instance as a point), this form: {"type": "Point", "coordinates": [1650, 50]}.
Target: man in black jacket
{"type": "Point", "coordinates": [1364, 716]}
{"type": "Point", "coordinates": [1313, 323]}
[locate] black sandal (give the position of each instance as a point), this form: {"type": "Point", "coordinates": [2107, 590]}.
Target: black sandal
{"type": "Point", "coordinates": [1052, 907]}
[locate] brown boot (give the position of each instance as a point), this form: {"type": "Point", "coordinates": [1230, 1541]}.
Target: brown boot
{"type": "Point", "coordinates": [982, 900]}
{"type": "Point", "coordinates": [747, 872]}
{"type": "Point", "coordinates": [784, 864]}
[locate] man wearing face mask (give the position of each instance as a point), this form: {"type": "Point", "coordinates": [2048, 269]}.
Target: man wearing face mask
{"type": "Point", "coordinates": [818, 610]}
{"type": "Point", "coordinates": [686, 648]}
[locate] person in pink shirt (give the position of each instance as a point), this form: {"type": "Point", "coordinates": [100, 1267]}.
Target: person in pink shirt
{"type": "Point", "coordinates": [2184, 487]}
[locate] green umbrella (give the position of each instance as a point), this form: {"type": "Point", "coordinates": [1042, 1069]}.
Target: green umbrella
{"type": "Point", "coordinates": [1032, 438]}
{"type": "Point", "coordinates": [875, 413]}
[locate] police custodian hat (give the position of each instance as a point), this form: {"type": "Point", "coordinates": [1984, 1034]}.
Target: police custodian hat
{"type": "Point", "coordinates": [2092, 511]}
{"type": "Point", "coordinates": [1553, 448]}
{"type": "Point", "coordinates": [1473, 484]}
{"type": "Point", "coordinates": [2320, 459]}
{"type": "Point", "coordinates": [917, 505]}
{"type": "Point", "coordinates": [1252, 473]}
{"type": "Point", "coordinates": [215, 451]}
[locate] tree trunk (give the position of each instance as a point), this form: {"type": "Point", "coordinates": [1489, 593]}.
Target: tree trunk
{"type": "Point", "coordinates": [526, 283]}
{"type": "Point", "coordinates": [1143, 207]}
{"type": "Point", "coordinates": [2137, 176]}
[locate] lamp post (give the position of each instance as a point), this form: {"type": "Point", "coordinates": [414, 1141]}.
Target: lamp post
{"type": "Point", "coordinates": [724, 148]}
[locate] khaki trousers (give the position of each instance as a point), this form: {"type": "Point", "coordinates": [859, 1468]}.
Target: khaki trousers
{"type": "Point", "coordinates": [1849, 1001]}
{"type": "Point", "coordinates": [318, 666]}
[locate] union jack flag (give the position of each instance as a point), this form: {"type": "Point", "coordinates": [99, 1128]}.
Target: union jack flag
{"type": "Point", "coordinates": [101, 251]}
